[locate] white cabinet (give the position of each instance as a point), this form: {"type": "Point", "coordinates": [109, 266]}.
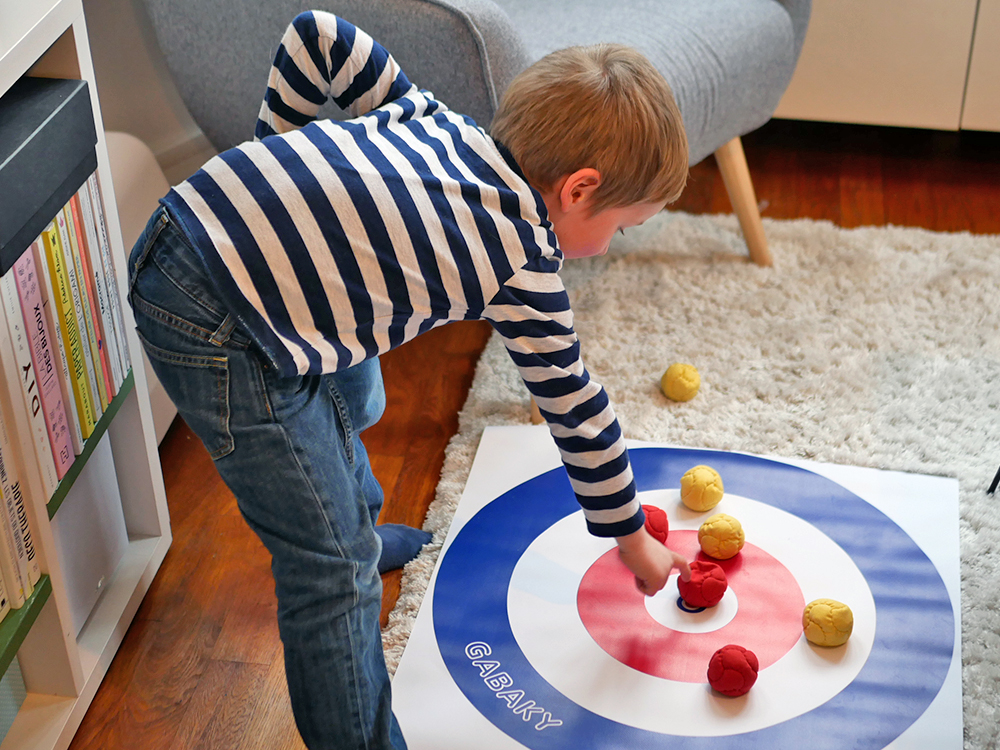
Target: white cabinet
{"type": "Point", "coordinates": [63, 660]}
{"type": "Point", "coordinates": [982, 96]}
{"type": "Point", "coordinates": [890, 62]}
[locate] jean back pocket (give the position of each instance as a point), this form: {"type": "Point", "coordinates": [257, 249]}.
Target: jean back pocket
{"type": "Point", "coordinates": [198, 384]}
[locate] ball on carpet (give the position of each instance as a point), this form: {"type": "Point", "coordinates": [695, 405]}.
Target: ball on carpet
{"type": "Point", "coordinates": [656, 522]}
{"type": "Point", "coordinates": [827, 622]}
{"type": "Point", "coordinates": [701, 488]}
{"type": "Point", "coordinates": [707, 586]}
{"type": "Point", "coordinates": [721, 536]}
{"type": "Point", "coordinates": [732, 670]}
{"type": "Point", "coordinates": [680, 382]}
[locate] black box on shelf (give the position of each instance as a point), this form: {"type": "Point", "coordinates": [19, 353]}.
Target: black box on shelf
{"type": "Point", "coordinates": [47, 151]}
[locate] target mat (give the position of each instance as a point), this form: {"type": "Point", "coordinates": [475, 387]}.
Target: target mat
{"type": "Point", "coordinates": [532, 634]}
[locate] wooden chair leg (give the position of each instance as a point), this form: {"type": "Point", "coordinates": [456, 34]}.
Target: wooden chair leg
{"type": "Point", "coordinates": [736, 177]}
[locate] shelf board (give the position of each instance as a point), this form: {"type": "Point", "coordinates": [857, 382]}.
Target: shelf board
{"type": "Point", "coordinates": [18, 622]}
{"type": "Point", "coordinates": [105, 627]}
{"type": "Point", "coordinates": [80, 461]}
{"type": "Point", "coordinates": [28, 29]}
{"type": "Point", "coordinates": [44, 722]}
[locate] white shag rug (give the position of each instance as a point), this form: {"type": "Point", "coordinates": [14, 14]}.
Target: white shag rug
{"type": "Point", "coordinates": [875, 347]}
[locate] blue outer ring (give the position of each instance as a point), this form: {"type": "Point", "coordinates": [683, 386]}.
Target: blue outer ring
{"type": "Point", "coordinates": [914, 637]}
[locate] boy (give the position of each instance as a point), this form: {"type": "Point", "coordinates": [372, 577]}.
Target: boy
{"type": "Point", "coordinates": [267, 284]}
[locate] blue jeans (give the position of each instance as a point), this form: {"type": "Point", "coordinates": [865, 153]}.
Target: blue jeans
{"type": "Point", "coordinates": [290, 451]}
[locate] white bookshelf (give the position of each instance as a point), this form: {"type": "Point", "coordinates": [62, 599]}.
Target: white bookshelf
{"type": "Point", "coordinates": [62, 669]}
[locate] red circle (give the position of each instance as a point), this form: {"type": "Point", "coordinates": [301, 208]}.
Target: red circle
{"type": "Point", "coordinates": [768, 620]}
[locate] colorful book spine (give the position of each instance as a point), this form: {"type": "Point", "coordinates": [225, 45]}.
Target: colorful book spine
{"type": "Point", "coordinates": [23, 537]}
{"type": "Point", "coordinates": [101, 290]}
{"type": "Point", "coordinates": [54, 321]}
{"type": "Point", "coordinates": [15, 519]}
{"type": "Point", "coordinates": [4, 599]}
{"type": "Point", "coordinates": [13, 584]}
{"type": "Point", "coordinates": [81, 253]}
{"type": "Point", "coordinates": [31, 399]}
{"type": "Point", "coordinates": [9, 568]}
{"type": "Point", "coordinates": [46, 369]}
{"type": "Point", "coordinates": [86, 311]}
{"type": "Point", "coordinates": [71, 331]}
{"type": "Point", "coordinates": [81, 317]}
{"type": "Point", "coordinates": [97, 206]}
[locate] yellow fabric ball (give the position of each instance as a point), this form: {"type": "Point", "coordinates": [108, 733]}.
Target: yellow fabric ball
{"type": "Point", "coordinates": [701, 488]}
{"type": "Point", "coordinates": [827, 622]}
{"type": "Point", "coordinates": [721, 536]}
{"type": "Point", "coordinates": [680, 382]}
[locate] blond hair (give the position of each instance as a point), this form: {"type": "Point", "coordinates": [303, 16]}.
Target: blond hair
{"type": "Point", "coordinates": [606, 107]}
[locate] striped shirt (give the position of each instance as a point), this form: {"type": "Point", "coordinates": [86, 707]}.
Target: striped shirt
{"type": "Point", "coordinates": [333, 242]}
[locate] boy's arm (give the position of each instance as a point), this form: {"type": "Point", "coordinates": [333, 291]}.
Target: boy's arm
{"type": "Point", "coordinates": [322, 56]}
{"type": "Point", "coordinates": [650, 561]}
{"type": "Point", "coordinates": [533, 316]}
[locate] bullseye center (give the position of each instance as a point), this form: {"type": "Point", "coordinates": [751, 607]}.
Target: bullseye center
{"type": "Point", "coordinates": [667, 609]}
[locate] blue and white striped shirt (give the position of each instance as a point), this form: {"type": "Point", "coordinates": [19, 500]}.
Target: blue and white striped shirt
{"type": "Point", "coordinates": [333, 242]}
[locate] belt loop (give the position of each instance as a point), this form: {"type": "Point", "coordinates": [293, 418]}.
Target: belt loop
{"type": "Point", "coordinates": [149, 236]}
{"type": "Point", "coordinates": [224, 331]}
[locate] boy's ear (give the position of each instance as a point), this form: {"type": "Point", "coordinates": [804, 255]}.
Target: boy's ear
{"type": "Point", "coordinates": [578, 189]}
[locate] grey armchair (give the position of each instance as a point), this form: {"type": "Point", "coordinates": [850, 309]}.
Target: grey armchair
{"type": "Point", "coordinates": [728, 61]}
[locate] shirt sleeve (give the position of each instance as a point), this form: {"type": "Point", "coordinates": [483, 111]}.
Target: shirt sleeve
{"type": "Point", "coordinates": [532, 315]}
{"type": "Point", "coordinates": [321, 57]}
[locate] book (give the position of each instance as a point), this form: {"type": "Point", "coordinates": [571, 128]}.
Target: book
{"type": "Point", "coordinates": [13, 515]}
{"type": "Point", "coordinates": [24, 538]}
{"type": "Point", "coordinates": [45, 366]}
{"type": "Point", "coordinates": [71, 331]}
{"type": "Point", "coordinates": [54, 320]}
{"type": "Point", "coordinates": [107, 260]}
{"type": "Point", "coordinates": [13, 588]}
{"type": "Point", "coordinates": [85, 273]}
{"type": "Point", "coordinates": [9, 568]}
{"type": "Point", "coordinates": [4, 599]}
{"type": "Point", "coordinates": [101, 289]}
{"type": "Point", "coordinates": [71, 246]}
{"type": "Point", "coordinates": [16, 516]}
{"type": "Point", "coordinates": [81, 318]}
{"type": "Point", "coordinates": [24, 372]}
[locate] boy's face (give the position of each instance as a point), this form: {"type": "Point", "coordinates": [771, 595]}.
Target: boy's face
{"type": "Point", "coordinates": [584, 236]}
{"type": "Point", "coordinates": [581, 233]}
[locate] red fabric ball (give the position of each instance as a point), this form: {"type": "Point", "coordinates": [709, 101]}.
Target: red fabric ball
{"type": "Point", "coordinates": [706, 587]}
{"type": "Point", "coordinates": [656, 522]}
{"type": "Point", "coordinates": [732, 670]}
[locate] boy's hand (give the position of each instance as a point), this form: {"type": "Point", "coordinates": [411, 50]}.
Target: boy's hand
{"type": "Point", "coordinates": [650, 561]}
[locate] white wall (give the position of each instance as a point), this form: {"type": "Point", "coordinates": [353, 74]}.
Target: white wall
{"type": "Point", "coordinates": [136, 92]}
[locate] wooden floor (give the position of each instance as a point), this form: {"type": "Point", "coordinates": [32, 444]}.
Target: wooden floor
{"type": "Point", "coordinates": [201, 665]}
